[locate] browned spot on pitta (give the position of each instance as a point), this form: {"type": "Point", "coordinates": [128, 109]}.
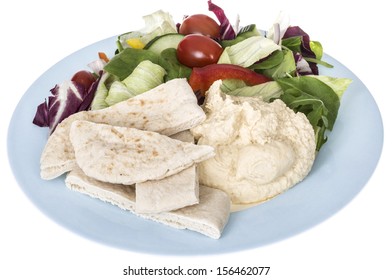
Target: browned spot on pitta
{"type": "Point", "coordinates": [117, 133]}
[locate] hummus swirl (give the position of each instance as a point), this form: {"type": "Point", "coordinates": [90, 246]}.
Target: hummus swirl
{"type": "Point", "coordinates": [262, 149]}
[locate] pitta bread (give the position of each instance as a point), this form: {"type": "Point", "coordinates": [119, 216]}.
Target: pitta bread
{"type": "Point", "coordinates": [124, 155]}
{"type": "Point", "coordinates": [58, 155]}
{"type": "Point", "coordinates": [209, 217]}
{"type": "Point", "coordinates": [170, 193]}
{"type": "Point", "coordinates": [168, 109]}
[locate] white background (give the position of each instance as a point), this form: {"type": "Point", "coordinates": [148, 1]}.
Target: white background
{"type": "Point", "coordinates": [354, 243]}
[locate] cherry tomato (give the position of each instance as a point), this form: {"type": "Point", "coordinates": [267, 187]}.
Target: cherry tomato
{"type": "Point", "coordinates": [198, 50]}
{"type": "Point", "coordinates": [84, 78]}
{"type": "Point", "coordinates": [200, 24]}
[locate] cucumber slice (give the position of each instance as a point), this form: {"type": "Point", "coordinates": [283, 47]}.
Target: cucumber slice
{"type": "Point", "coordinates": [163, 42]}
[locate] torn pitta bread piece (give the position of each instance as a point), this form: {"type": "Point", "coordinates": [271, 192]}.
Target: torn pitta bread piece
{"type": "Point", "coordinates": [124, 155]}
{"type": "Point", "coordinates": [171, 193]}
{"type": "Point", "coordinates": [58, 155]}
{"type": "Point", "coordinates": [168, 109]}
{"type": "Point", "coordinates": [209, 217]}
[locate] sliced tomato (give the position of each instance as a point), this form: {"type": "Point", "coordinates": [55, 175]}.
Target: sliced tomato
{"type": "Point", "coordinates": [202, 78]}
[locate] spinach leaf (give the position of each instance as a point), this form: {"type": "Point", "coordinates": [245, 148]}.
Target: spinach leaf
{"type": "Point", "coordinates": [272, 60]}
{"type": "Point", "coordinates": [315, 99]}
{"type": "Point", "coordinates": [285, 67]}
{"type": "Point", "coordinates": [174, 69]}
{"type": "Point", "coordinates": [123, 64]}
{"type": "Point", "coordinates": [293, 43]}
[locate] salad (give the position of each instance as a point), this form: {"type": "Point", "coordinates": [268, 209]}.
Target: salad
{"type": "Point", "coordinates": [281, 63]}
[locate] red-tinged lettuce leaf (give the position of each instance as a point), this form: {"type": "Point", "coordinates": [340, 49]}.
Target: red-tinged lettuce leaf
{"type": "Point", "coordinates": [303, 48]}
{"type": "Point", "coordinates": [226, 30]}
{"type": "Point", "coordinates": [66, 99]}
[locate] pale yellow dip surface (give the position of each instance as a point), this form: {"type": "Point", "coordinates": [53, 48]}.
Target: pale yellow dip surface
{"type": "Point", "coordinates": [262, 149]}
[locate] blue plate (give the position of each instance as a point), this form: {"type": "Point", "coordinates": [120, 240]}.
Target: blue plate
{"type": "Point", "coordinates": [341, 170]}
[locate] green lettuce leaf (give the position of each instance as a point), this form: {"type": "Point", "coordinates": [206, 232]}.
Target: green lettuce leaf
{"type": "Point", "coordinates": [266, 91]}
{"type": "Point", "coordinates": [123, 64]}
{"type": "Point", "coordinates": [174, 69]}
{"type": "Point", "coordinates": [339, 85]}
{"type": "Point", "coordinates": [118, 92]}
{"type": "Point", "coordinates": [144, 77]}
{"type": "Point", "coordinates": [248, 51]}
{"type": "Point", "coordinates": [156, 24]}
{"type": "Point", "coordinates": [285, 68]}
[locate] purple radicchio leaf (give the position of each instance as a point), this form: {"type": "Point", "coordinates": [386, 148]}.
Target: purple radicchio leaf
{"type": "Point", "coordinates": [226, 30]}
{"type": "Point", "coordinates": [302, 66]}
{"type": "Point", "coordinates": [296, 31]}
{"type": "Point", "coordinates": [42, 115]}
{"type": "Point", "coordinates": [65, 100]}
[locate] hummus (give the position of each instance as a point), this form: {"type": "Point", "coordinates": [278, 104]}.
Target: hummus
{"type": "Point", "coordinates": [262, 149]}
